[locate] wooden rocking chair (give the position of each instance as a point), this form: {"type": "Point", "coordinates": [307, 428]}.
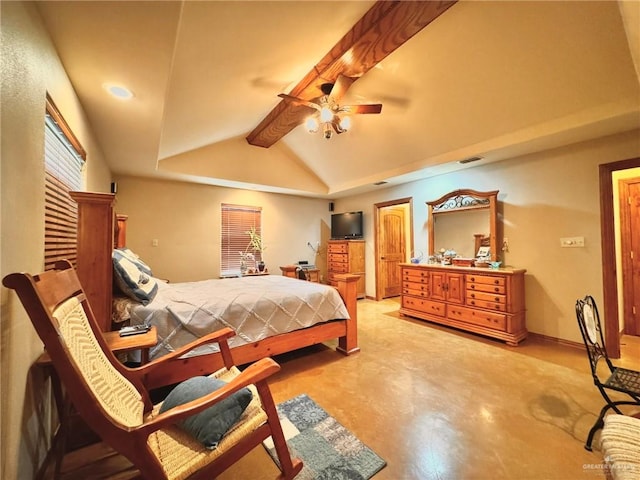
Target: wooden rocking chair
{"type": "Point", "coordinates": [113, 401]}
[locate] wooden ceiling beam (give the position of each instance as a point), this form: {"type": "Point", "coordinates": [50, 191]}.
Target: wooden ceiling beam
{"type": "Point", "coordinates": [385, 27]}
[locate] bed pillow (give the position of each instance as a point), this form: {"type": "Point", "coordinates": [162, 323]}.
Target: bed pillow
{"type": "Point", "coordinates": [133, 282]}
{"type": "Point", "coordinates": [128, 253]}
{"type": "Point", "coordinates": [210, 425]}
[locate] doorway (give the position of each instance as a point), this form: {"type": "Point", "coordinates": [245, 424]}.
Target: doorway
{"type": "Point", "coordinates": [609, 254]}
{"type": "Point", "coordinates": [393, 238]}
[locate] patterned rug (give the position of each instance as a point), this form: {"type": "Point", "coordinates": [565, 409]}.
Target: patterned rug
{"type": "Point", "coordinates": [328, 450]}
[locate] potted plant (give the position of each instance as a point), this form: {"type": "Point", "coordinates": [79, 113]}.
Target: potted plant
{"type": "Point", "coordinates": [255, 246]}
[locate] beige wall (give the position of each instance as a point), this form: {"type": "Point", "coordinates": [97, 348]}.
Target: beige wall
{"type": "Point", "coordinates": [544, 196]}
{"type": "Point", "coordinates": [30, 67]}
{"type": "Point", "coordinates": [185, 220]}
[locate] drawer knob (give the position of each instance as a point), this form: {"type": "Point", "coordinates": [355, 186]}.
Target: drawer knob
{"type": "Point", "coordinates": [496, 289]}
{"type": "Point", "coordinates": [496, 281]}
{"type": "Point", "coordinates": [473, 295]}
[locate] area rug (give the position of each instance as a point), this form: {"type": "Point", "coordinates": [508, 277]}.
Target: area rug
{"type": "Point", "coordinates": [328, 450]}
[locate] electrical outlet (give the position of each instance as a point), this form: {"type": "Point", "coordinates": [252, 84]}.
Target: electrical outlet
{"type": "Point", "coordinates": [154, 242]}
{"type": "Point", "coordinates": [572, 242]}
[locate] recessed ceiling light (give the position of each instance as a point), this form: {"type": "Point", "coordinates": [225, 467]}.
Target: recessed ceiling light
{"type": "Point", "coordinates": [118, 91]}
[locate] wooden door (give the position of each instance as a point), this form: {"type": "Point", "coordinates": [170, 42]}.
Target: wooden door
{"type": "Point", "coordinates": [392, 250]}
{"type": "Point", "coordinates": [630, 252]}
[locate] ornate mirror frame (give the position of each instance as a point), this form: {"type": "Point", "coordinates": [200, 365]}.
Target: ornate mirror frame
{"type": "Point", "coordinates": [465, 200]}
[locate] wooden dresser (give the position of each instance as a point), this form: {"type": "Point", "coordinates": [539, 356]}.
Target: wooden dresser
{"type": "Point", "coordinates": [347, 256]}
{"type": "Point", "coordinates": [480, 300]}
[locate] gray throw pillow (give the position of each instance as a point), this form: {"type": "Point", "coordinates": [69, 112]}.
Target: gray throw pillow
{"type": "Point", "coordinates": [210, 425]}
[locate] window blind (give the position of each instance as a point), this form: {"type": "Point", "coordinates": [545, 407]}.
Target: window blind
{"type": "Point", "coordinates": [63, 161]}
{"type": "Point", "coordinates": [237, 220]}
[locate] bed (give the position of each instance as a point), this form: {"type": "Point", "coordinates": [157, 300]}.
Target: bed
{"type": "Point", "coordinates": [249, 345]}
{"type": "Point", "coordinates": [270, 314]}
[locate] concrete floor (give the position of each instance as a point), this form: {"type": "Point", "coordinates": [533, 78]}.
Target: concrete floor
{"type": "Point", "coordinates": [440, 404]}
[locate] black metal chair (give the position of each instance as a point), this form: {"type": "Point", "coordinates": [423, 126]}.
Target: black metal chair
{"type": "Point", "coordinates": [619, 379]}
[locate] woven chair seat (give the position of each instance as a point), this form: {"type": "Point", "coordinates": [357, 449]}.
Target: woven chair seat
{"type": "Point", "coordinates": [625, 380]}
{"type": "Point", "coordinates": [181, 455]}
{"type": "Point", "coordinates": [620, 444]}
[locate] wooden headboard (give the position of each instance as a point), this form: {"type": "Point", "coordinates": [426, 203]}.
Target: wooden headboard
{"type": "Point", "coordinates": [100, 230]}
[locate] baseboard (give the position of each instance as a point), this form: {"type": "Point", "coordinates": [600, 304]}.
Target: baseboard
{"type": "Point", "coordinates": [561, 341]}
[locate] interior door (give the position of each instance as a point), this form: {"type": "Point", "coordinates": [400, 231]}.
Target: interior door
{"type": "Point", "coordinates": [392, 250]}
{"type": "Point", "coordinates": [630, 251]}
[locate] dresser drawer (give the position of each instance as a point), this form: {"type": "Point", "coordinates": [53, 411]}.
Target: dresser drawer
{"type": "Point", "coordinates": [486, 280]}
{"type": "Point", "coordinates": [338, 248]}
{"type": "Point", "coordinates": [415, 275]}
{"type": "Point", "coordinates": [339, 267]}
{"type": "Point", "coordinates": [418, 289]}
{"type": "Point", "coordinates": [491, 301]}
{"type": "Point", "coordinates": [497, 307]}
{"type": "Point", "coordinates": [338, 257]}
{"type": "Point", "coordinates": [486, 283]}
{"type": "Point", "coordinates": [425, 306]}
{"type": "Point", "coordinates": [478, 317]}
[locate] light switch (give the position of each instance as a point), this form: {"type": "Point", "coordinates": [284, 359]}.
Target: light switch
{"type": "Point", "coordinates": [154, 242]}
{"type": "Point", "coordinates": [572, 242]}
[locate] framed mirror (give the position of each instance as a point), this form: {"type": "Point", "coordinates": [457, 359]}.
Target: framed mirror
{"type": "Point", "coordinates": [464, 220]}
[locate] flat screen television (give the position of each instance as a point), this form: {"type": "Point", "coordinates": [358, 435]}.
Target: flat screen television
{"type": "Point", "coordinates": [346, 225]}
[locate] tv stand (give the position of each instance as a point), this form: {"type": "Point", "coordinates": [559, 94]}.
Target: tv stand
{"type": "Point", "coordinates": [347, 256]}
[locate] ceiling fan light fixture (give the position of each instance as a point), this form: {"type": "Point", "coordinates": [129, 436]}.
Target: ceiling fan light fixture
{"type": "Point", "coordinates": [312, 124]}
{"type": "Point", "coordinates": [345, 123]}
{"type": "Point", "coordinates": [326, 114]}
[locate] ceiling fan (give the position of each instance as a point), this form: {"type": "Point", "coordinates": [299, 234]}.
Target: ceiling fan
{"type": "Point", "coordinates": [327, 113]}
{"type": "Point", "coordinates": [383, 28]}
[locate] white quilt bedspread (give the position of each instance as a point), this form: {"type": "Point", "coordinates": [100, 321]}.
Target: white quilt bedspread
{"type": "Point", "coordinates": [255, 307]}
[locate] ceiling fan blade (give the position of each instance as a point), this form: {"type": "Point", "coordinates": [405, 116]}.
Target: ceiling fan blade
{"type": "Point", "coordinates": [340, 87]}
{"type": "Point", "coordinates": [369, 108]}
{"type": "Point", "coordinates": [299, 101]}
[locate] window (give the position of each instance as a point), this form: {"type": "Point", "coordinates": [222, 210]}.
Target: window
{"type": "Point", "coordinates": [237, 220]}
{"type": "Point", "coordinates": [64, 158]}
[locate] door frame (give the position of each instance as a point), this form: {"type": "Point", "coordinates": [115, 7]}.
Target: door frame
{"type": "Point", "coordinates": [608, 245]}
{"type": "Point", "coordinates": [376, 234]}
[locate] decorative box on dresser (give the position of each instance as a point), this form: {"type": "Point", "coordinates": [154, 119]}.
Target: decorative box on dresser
{"type": "Point", "coordinates": [347, 256]}
{"type": "Point", "coordinates": [480, 300]}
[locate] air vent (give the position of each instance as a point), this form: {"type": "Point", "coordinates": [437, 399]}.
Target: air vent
{"type": "Point", "coordinates": [381, 183]}
{"type": "Point", "coordinates": [469, 160]}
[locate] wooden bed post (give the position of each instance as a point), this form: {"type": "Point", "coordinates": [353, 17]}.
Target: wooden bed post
{"type": "Point", "coordinates": [347, 286]}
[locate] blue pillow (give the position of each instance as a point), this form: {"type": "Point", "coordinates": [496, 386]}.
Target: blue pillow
{"type": "Point", "coordinates": [131, 280]}
{"type": "Point", "coordinates": [128, 253]}
{"type": "Point", "coordinates": [210, 425]}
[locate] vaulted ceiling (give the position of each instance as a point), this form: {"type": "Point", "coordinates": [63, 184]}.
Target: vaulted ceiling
{"type": "Point", "coordinates": [490, 79]}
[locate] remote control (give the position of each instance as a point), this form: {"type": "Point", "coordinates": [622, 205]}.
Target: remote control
{"type": "Point", "coordinates": [134, 330]}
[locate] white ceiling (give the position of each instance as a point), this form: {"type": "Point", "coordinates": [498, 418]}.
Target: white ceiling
{"type": "Point", "coordinates": [495, 79]}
